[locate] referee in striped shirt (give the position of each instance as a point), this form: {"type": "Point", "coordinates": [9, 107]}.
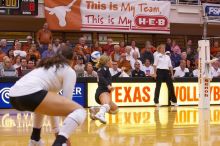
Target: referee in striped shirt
{"type": "Point", "coordinates": [163, 71]}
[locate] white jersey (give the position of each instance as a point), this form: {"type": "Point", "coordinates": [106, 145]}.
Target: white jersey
{"type": "Point", "coordinates": [50, 80]}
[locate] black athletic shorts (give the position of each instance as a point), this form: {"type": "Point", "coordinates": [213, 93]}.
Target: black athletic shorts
{"type": "Point", "coordinates": [28, 102]}
{"type": "Point", "coordinates": [98, 92]}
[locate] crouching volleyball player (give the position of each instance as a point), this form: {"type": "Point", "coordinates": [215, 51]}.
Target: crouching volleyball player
{"type": "Point", "coordinates": [102, 95]}
{"type": "Point", "coordinates": [37, 92]}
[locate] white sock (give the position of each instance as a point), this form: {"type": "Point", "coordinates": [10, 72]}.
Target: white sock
{"type": "Point", "coordinates": [104, 108]}
{"type": "Point", "coordinates": [54, 120]}
{"type": "Point", "coordinates": [72, 121]}
{"type": "Point", "coordinates": [38, 120]}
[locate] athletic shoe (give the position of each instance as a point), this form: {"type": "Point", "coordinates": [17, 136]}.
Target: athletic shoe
{"type": "Point", "coordinates": [92, 113]}
{"type": "Point", "coordinates": [100, 117]}
{"type": "Point", "coordinates": [174, 103]}
{"type": "Point", "coordinates": [36, 143]}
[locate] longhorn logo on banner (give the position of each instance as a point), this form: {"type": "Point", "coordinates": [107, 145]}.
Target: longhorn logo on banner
{"type": "Point", "coordinates": [63, 14]}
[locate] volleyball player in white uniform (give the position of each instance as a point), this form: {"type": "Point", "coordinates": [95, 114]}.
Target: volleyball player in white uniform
{"type": "Point", "coordinates": [37, 92]}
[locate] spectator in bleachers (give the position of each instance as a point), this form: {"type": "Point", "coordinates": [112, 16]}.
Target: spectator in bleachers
{"type": "Point", "coordinates": [97, 47]}
{"type": "Point", "coordinates": [17, 62]}
{"type": "Point", "coordinates": [184, 57]}
{"type": "Point", "coordinates": [17, 46]}
{"type": "Point", "coordinates": [79, 67]}
{"type": "Point", "coordinates": [146, 53]}
{"type": "Point", "coordinates": [63, 45]}
{"type": "Point", "coordinates": [188, 45]}
{"type": "Point", "coordinates": [195, 71]}
{"type": "Point", "coordinates": [18, 51]}
{"type": "Point", "coordinates": [175, 47]}
{"type": "Point", "coordinates": [8, 70]}
{"type": "Point", "coordinates": [135, 59]}
{"type": "Point", "coordinates": [89, 71]}
{"type": "Point", "coordinates": [168, 53]}
{"type": "Point", "coordinates": [148, 45]}
{"type": "Point", "coordinates": [31, 64]}
{"type": "Point", "coordinates": [2, 55]}
{"type": "Point", "coordinates": [114, 70]}
{"type": "Point", "coordinates": [56, 45]}
{"type": "Point", "coordinates": [31, 55]}
{"type": "Point", "coordinates": [69, 43]}
{"type": "Point", "coordinates": [175, 58]}
{"type": "Point", "coordinates": [44, 38]}
{"type": "Point", "coordinates": [108, 48]}
{"type": "Point", "coordinates": [156, 52]}
{"type": "Point", "coordinates": [124, 63]}
{"type": "Point", "coordinates": [23, 63]}
{"type": "Point", "coordinates": [37, 62]}
{"type": "Point", "coordinates": [75, 57]}
{"type": "Point", "coordinates": [181, 70]}
{"type": "Point", "coordinates": [215, 70]}
{"type": "Point", "coordinates": [10, 54]}
{"type": "Point", "coordinates": [117, 72]}
{"type": "Point", "coordinates": [49, 52]}
{"type": "Point", "coordinates": [26, 46]}
{"type": "Point", "coordinates": [33, 51]}
{"type": "Point", "coordinates": [190, 55]}
{"type": "Point", "coordinates": [116, 54]}
{"type": "Point", "coordinates": [122, 46]}
{"type": "Point", "coordinates": [134, 48]}
{"type": "Point", "coordinates": [148, 68]}
{"type": "Point", "coordinates": [4, 46]}
{"type": "Point", "coordinates": [215, 50]}
{"type": "Point", "coordinates": [128, 53]}
{"type": "Point", "coordinates": [168, 45]}
{"type": "Point", "coordinates": [82, 49]}
{"type": "Point", "coordinates": [137, 72]}
{"type": "Point", "coordinates": [15, 41]}
{"type": "Point", "coordinates": [125, 73]}
{"type": "Point", "coordinates": [22, 67]}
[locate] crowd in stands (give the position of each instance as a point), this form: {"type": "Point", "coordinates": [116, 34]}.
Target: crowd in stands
{"type": "Point", "coordinates": [128, 60]}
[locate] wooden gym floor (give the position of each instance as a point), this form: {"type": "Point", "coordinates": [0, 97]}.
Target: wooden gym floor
{"type": "Point", "coordinates": [145, 126]}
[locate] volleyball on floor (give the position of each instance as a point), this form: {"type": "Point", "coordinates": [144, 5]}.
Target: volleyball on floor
{"type": "Point", "coordinates": [95, 56]}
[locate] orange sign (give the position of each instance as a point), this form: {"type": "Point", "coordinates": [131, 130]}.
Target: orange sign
{"type": "Point", "coordinates": [108, 15]}
{"type": "Point", "coordinates": [142, 94]}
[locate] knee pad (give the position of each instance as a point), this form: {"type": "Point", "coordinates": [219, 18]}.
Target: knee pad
{"type": "Point", "coordinates": [79, 115]}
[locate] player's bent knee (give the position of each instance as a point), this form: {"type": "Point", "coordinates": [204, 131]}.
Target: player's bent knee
{"type": "Point", "coordinates": [79, 115]}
